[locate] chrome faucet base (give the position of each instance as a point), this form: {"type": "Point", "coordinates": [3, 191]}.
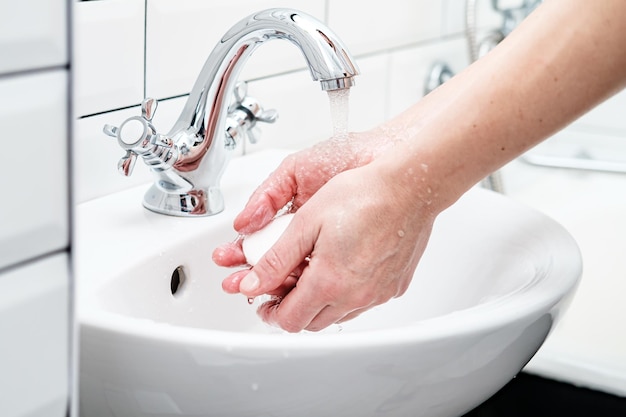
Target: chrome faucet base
{"type": "Point", "coordinates": [191, 204]}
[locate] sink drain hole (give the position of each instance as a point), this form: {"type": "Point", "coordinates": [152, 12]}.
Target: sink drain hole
{"type": "Point", "coordinates": [178, 280]}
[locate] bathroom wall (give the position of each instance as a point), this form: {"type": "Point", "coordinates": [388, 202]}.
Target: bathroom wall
{"type": "Point", "coordinates": [125, 50]}
{"type": "Point", "coordinates": [35, 325]}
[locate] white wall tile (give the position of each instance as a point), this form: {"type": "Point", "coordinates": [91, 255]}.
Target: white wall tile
{"type": "Point", "coordinates": [33, 34]}
{"type": "Point", "coordinates": [34, 353]}
{"type": "Point", "coordinates": [182, 33]}
{"type": "Point", "coordinates": [411, 67]}
{"type": "Point", "coordinates": [370, 27]}
{"type": "Point", "coordinates": [33, 116]}
{"type": "Point", "coordinates": [108, 55]}
{"type": "Point", "coordinates": [454, 16]}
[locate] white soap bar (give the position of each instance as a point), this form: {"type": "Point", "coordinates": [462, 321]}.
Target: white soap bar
{"type": "Point", "coordinates": [256, 244]}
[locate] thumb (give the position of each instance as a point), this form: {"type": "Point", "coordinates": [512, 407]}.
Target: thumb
{"type": "Point", "coordinates": [281, 260]}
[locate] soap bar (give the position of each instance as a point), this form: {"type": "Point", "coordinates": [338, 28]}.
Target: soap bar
{"type": "Point", "coordinates": [256, 244]}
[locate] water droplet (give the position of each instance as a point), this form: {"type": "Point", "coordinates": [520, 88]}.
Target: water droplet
{"type": "Point", "coordinates": [250, 300]}
{"type": "Point", "coordinates": [339, 328]}
{"type": "Point", "coordinates": [400, 233]}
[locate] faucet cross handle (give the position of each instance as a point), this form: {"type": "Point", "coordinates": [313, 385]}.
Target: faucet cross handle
{"type": "Point", "coordinates": [137, 136]}
{"type": "Point", "coordinates": [148, 108]}
{"type": "Point", "coordinates": [243, 116]}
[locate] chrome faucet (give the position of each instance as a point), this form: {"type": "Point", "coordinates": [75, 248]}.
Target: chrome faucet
{"type": "Point", "coordinates": [189, 161]}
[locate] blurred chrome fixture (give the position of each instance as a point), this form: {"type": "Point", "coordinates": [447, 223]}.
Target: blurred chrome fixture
{"type": "Point", "coordinates": [513, 12]}
{"type": "Point", "coordinates": [439, 73]}
{"type": "Point", "coordinates": [190, 159]}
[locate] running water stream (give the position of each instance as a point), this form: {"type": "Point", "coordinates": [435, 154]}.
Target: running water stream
{"type": "Point", "coordinates": [339, 111]}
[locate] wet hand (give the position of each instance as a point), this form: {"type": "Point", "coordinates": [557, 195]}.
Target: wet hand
{"type": "Point", "coordinates": [297, 178]}
{"type": "Point", "coordinates": [353, 245]}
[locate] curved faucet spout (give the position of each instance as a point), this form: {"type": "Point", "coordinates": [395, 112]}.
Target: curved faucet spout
{"type": "Point", "coordinates": [327, 59]}
{"type": "Point", "coordinates": [202, 144]}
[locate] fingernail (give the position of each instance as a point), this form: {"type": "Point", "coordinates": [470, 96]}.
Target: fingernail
{"type": "Point", "coordinates": [249, 283]}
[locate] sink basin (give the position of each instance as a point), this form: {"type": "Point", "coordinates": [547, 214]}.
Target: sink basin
{"type": "Point", "coordinates": [158, 337]}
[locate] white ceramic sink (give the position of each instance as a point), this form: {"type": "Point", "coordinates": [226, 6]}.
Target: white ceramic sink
{"type": "Point", "coordinates": [494, 278]}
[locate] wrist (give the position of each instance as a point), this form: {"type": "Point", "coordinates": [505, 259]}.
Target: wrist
{"type": "Point", "coordinates": [416, 182]}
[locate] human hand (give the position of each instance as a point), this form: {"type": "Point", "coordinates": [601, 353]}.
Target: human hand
{"type": "Point", "coordinates": [297, 178]}
{"type": "Point", "coordinates": [362, 236]}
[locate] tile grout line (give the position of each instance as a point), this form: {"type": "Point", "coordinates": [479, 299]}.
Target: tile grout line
{"type": "Point", "coordinates": [145, 48]}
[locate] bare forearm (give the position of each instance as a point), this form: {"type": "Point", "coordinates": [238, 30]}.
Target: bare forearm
{"type": "Point", "coordinates": [564, 59]}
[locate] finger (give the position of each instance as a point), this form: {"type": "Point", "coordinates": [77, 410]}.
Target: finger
{"type": "Point", "coordinates": [287, 254]}
{"type": "Point", "coordinates": [230, 284]}
{"type": "Point", "coordinates": [334, 315]}
{"type": "Point", "coordinates": [306, 307]}
{"type": "Point", "coordinates": [298, 308]}
{"type": "Point", "coordinates": [329, 315]}
{"type": "Point", "coordinates": [272, 195]}
{"type": "Point", "coordinates": [289, 283]}
{"type": "Point", "coordinates": [284, 288]}
{"type": "Point", "coordinates": [229, 254]}
{"type": "Point", "coordinates": [354, 314]}
{"type": "Point", "coordinates": [291, 313]}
